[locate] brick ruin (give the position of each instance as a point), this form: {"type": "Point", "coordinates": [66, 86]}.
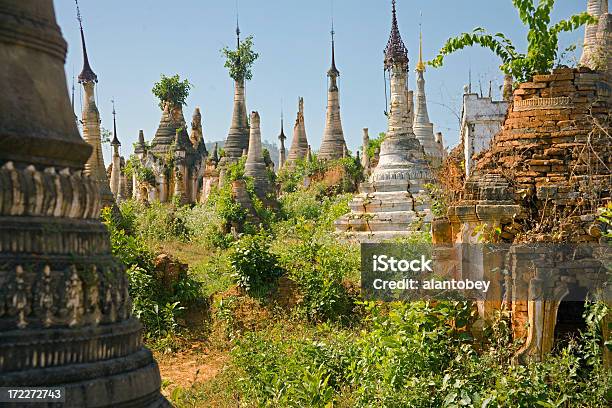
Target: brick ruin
{"type": "Point", "coordinates": [541, 181]}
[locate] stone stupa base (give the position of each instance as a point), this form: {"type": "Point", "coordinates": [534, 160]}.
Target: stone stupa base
{"type": "Point", "coordinates": [384, 215]}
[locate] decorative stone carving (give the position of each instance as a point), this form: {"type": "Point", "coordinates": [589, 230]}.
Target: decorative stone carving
{"type": "Point", "coordinates": [46, 298]}
{"type": "Point", "coordinates": [21, 302]}
{"type": "Point", "coordinates": [50, 233]}
{"type": "Point", "coordinates": [74, 298]}
{"type": "Point", "coordinates": [542, 103]}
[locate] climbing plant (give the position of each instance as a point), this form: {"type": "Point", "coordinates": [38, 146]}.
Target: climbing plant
{"type": "Point", "coordinates": [172, 90]}
{"type": "Point", "coordinates": [239, 62]}
{"type": "Point", "coordinates": [542, 39]}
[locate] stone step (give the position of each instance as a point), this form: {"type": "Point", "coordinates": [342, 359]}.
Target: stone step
{"type": "Point", "coordinates": [375, 237]}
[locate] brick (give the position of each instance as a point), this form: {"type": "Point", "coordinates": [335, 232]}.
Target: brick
{"type": "Point", "coordinates": [533, 85]}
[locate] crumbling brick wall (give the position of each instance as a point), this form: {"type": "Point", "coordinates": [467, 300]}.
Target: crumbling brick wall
{"type": "Point", "coordinates": [555, 151]}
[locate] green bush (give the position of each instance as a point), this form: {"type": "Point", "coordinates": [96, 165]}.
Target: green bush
{"type": "Point", "coordinates": [292, 178]}
{"type": "Point", "coordinates": [417, 355]}
{"type": "Point", "coordinates": [254, 267]}
{"type": "Point", "coordinates": [319, 265]}
{"type": "Point", "coordinates": [204, 226]}
{"type": "Point", "coordinates": [158, 307]}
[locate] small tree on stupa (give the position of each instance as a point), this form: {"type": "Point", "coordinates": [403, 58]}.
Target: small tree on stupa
{"type": "Point", "coordinates": [172, 90]}
{"type": "Point", "coordinates": [240, 61]}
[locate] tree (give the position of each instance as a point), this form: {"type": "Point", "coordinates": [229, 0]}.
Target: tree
{"type": "Point", "coordinates": [543, 40]}
{"type": "Point", "coordinates": [105, 136]}
{"type": "Point", "coordinates": [171, 90]}
{"type": "Point", "coordinates": [240, 61]}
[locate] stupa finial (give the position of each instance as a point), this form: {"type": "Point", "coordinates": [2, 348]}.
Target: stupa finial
{"type": "Point", "coordinates": [115, 141]}
{"type": "Point", "coordinates": [396, 51]}
{"type": "Point", "coordinates": [87, 74]}
{"type": "Point", "coordinates": [420, 65]}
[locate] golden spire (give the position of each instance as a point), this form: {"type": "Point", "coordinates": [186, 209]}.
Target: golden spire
{"type": "Point", "coordinates": [420, 65]}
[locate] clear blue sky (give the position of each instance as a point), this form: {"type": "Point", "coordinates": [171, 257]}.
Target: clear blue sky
{"type": "Point", "coordinates": [130, 43]}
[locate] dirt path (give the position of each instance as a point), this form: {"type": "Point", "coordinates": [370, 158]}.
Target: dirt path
{"type": "Point", "coordinates": [186, 368]}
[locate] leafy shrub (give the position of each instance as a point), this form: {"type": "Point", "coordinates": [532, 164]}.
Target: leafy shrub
{"type": "Point", "coordinates": [158, 307]}
{"type": "Point", "coordinates": [240, 62]}
{"type": "Point", "coordinates": [417, 355]}
{"type": "Point", "coordinates": [308, 205]}
{"type": "Point", "coordinates": [375, 144]}
{"type": "Point", "coordinates": [131, 250]}
{"type": "Point", "coordinates": [292, 178]}
{"type": "Point", "coordinates": [223, 204]}
{"type": "Point", "coordinates": [301, 204]}
{"type": "Point", "coordinates": [255, 268]}
{"type": "Point", "coordinates": [204, 226]}
{"type": "Point", "coordinates": [171, 90]}
{"type": "Point", "coordinates": [319, 266]}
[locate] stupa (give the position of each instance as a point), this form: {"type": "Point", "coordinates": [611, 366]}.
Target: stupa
{"type": "Point", "coordinates": [65, 312]}
{"type": "Point", "coordinates": [116, 177]}
{"type": "Point", "coordinates": [91, 126]}
{"type": "Point", "coordinates": [333, 145]}
{"type": "Point", "coordinates": [238, 137]}
{"type": "Point", "coordinates": [282, 150]}
{"type": "Point", "coordinates": [255, 165]}
{"type": "Point", "coordinates": [422, 127]}
{"type": "Point", "coordinates": [393, 202]}
{"type": "Point", "coordinates": [299, 144]}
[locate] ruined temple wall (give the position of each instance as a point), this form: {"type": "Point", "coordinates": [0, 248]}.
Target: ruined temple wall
{"type": "Point", "coordinates": [554, 150]}
{"type": "Point", "coordinates": [541, 181]}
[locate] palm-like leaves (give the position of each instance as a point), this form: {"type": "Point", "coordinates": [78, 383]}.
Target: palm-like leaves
{"type": "Point", "coordinates": [543, 40]}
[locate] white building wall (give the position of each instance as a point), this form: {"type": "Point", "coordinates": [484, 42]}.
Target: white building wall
{"type": "Point", "coordinates": [482, 118]}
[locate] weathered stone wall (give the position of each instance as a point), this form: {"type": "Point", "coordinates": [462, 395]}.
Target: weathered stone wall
{"type": "Point", "coordinates": [481, 119]}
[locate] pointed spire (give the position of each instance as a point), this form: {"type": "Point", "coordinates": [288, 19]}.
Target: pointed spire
{"type": "Point", "coordinates": [115, 141]}
{"type": "Point", "coordinates": [420, 65]}
{"type": "Point", "coordinates": [333, 71]}
{"type": "Point", "coordinates": [87, 74]}
{"type": "Point", "coordinates": [396, 52]}
{"type": "Point", "coordinates": [282, 136]}
{"type": "Point", "coordinates": [72, 95]}
{"type": "Point", "coordinates": [237, 27]}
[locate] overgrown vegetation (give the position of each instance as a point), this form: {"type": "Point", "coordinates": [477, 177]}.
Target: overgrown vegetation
{"type": "Point", "coordinates": [542, 40]}
{"type": "Point", "coordinates": [375, 144]}
{"type": "Point", "coordinates": [171, 90]}
{"type": "Point", "coordinates": [338, 176]}
{"type": "Point", "coordinates": [157, 305]}
{"type": "Point", "coordinates": [283, 304]}
{"type": "Point", "coordinates": [240, 61]}
{"type": "Point", "coordinates": [411, 355]}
